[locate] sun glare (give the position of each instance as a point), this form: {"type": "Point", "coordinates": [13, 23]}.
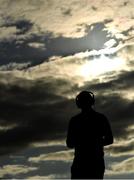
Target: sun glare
{"type": "Point", "coordinates": [100, 66]}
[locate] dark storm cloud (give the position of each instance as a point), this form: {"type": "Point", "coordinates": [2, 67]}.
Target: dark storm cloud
{"type": "Point", "coordinates": [119, 111]}
{"type": "Point", "coordinates": [41, 114]}
{"type": "Point", "coordinates": [19, 51]}
{"type": "Point", "coordinates": [37, 113]}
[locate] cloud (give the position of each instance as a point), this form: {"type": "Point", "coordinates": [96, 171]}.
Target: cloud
{"type": "Point", "coordinates": [42, 115]}
{"type": "Point", "coordinates": [37, 112]}
{"type": "Point", "coordinates": [14, 66]}
{"type": "Point", "coordinates": [43, 177]}
{"type": "Point", "coordinates": [124, 167]}
{"type": "Point", "coordinates": [57, 156]}
{"type": "Point", "coordinates": [44, 168]}
{"type": "Point", "coordinates": [8, 171]}
{"type": "Point", "coordinates": [38, 48]}
{"type": "Point", "coordinates": [58, 38]}
{"type": "Point", "coordinates": [29, 25]}
{"type": "Point", "coordinates": [49, 15]}
{"type": "Point", "coordinates": [22, 26]}
{"type": "Point", "coordinates": [8, 33]}
{"type": "Point", "coordinates": [66, 11]}
{"type": "Point", "coordinates": [58, 169]}
{"type": "Point", "coordinates": [40, 101]}
{"type": "Point", "coordinates": [37, 45]}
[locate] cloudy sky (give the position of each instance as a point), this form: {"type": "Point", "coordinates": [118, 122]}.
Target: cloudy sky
{"type": "Point", "coordinates": [50, 50]}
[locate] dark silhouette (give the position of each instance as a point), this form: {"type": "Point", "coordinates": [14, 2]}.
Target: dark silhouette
{"type": "Point", "coordinates": [88, 132]}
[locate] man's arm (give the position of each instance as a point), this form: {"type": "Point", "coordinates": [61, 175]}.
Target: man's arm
{"type": "Point", "coordinates": [108, 136]}
{"type": "Point", "coordinates": [70, 136]}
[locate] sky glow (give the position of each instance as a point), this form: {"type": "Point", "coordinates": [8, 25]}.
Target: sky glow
{"type": "Point", "coordinates": [100, 66]}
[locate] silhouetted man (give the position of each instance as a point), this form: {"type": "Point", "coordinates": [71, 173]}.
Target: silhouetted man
{"type": "Point", "coordinates": [88, 132]}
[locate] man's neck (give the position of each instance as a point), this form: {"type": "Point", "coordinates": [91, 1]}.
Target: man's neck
{"type": "Point", "coordinates": [85, 110]}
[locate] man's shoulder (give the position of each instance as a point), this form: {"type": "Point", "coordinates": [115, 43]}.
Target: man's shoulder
{"type": "Point", "coordinates": [101, 115]}
{"type": "Point", "coordinates": [93, 114]}
{"type": "Point", "coordinates": [76, 116]}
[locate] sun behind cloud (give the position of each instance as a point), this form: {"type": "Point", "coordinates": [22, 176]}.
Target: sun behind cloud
{"type": "Point", "coordinates": [100, 66]}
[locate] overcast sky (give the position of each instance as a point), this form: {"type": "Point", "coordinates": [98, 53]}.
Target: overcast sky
{"type": "Point", "coordinates": [50, 50]}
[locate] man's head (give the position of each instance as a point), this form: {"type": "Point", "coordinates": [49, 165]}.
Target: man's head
{"type": "Point", "coordinates": [85, 100]}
